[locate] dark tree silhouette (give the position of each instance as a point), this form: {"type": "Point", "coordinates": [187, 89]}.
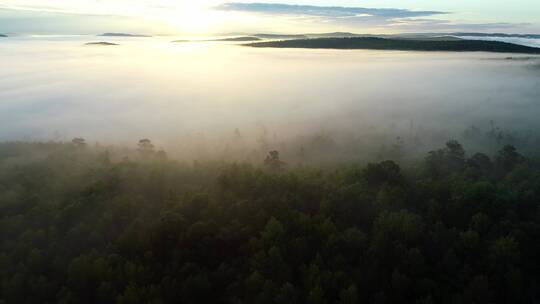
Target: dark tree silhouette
{"type": "Point", "coordinates": [273, 162]}
{"type": "Point", "coordinates": [79, 142]}
{"type": "Point", "coordinates": [145, 147]}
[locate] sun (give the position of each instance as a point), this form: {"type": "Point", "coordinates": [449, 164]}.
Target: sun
{"type": "Point", "coordinates": [193, 19]}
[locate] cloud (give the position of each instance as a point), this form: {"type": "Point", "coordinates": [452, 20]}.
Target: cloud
{"type": "Point", "coordinates": [51, 22]}
{"type": "Point", "coordinates": [324, 11]}
{"type": "Point", "coordinates": [448, 25]}
{"type": "Point", "coordinates": [374, 19]}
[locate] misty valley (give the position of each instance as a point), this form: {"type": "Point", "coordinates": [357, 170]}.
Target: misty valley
{"type": "Point", "coordinates": [135, 169]}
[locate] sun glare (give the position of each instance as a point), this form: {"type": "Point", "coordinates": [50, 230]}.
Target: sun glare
{"type": "Point", "coordinates": [192, 19]}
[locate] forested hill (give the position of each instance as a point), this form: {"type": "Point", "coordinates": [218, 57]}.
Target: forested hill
{"type": "Point", "coordinates": [79, 224]}
{"type": "Point", "coordinates": [124, 35]}
{"type": "Point", "coordinates": [375, 43]}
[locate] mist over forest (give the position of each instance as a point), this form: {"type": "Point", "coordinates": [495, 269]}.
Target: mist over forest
{"type": "Point", "coordinates": [137, 170]}
{"type": "Point", "coordinates": [338, 104]}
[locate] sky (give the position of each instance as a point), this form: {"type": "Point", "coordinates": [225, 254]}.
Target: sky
{"type": "Point", "coordinates": [183, 17]}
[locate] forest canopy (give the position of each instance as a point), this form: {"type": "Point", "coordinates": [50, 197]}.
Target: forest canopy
{"type": "Point", "coordinates": [85, 224]}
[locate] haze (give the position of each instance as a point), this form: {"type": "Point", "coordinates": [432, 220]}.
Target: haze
{"type": "Point", "coordinates": [183, 95]}
{"type": "Point", "coordinates": [310, 151]}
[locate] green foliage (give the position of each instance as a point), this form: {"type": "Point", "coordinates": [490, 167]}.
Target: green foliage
{"type": "Point", "coordinates": [83, 225]}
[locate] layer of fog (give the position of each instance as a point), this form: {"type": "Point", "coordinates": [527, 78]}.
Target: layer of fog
{"type": "Point", "coordinates": [218, 100]}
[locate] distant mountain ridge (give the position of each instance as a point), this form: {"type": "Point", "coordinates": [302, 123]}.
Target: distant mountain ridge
{"type": "Point", "coordinates": [375, 43]}
{"type": "Point", "coordinates": [233, 39]}
{"type": "Point", "coordinates": [278, 36]}
{"type": "Point", "coordinates": [338, 35]}
{"type": "Point", "coordinates": [402, 35]}
{"type": "Point", "coordinates": [103, 43]}
{"type": "Point", "coordinates": [244, 38]}
{"type": "Point", "coordinates": [446, 36]}
{"type": "Point", "coordinates": [123, 35]}
{"type": "Point", "coordinates": [501, 35]}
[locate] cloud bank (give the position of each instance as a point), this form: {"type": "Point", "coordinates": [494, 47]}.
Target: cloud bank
{"type": "Point", "coordinates": [166, 17]}
{"type": "Point", "coordinates": [324, 11]}
{"type": "Point", "coordinates": [377, 19]}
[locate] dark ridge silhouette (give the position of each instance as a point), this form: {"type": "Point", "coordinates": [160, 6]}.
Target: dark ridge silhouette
{"type": "Point", "coordinates": [336, 35]}
{"type": "Point", "coordinates": [122, 35]}
{"type": "Point", "coordinates": [418, 36]}
{"type": "Point", "coordinates": [246, 38]}
{"type": "Point", "coordinates": [101, 43]}
{"type": "Point", "coordinates": [501, 35]}
{"type": "Point", "coordinates": [3, 36]}
{"type": "Point", "coordinates": [278, 36]}
{"type": "Point", "coordinates": [373, 43]}
{"type": "Point", "coordinates": [234, 39]}
{"type": "Point", "coordinates": [430, 38]}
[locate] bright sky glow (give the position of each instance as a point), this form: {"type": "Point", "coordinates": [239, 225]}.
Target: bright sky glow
{"type": "Point", "coordinates": [208, 16]}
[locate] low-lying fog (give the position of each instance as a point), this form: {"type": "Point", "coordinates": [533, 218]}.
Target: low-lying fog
{"type": "Point", "coordinates": [206, 100]}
